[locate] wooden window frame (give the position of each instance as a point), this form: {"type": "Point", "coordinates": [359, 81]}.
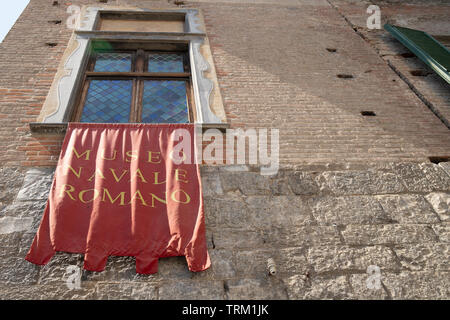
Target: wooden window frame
{"type": "Point", "coordinates": [138, 74]}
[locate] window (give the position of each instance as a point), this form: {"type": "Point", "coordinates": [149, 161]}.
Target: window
{"type": "Point", "coordinates": [123, 39]}
{"type": "Point", "coordinates": [136, 83]}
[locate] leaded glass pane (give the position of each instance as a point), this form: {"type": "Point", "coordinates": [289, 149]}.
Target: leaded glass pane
{"type": "Point", "coordinates": [164, 102]}
{"type": "Point", "coordinates": [108, 101]}
{"type": "Point", "coordinates": [113, 62]}
{"type": "Point", "coordinates": [165, 62]}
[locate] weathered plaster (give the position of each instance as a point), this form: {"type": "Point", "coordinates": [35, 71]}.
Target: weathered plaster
{"type": "Point", "coordinates": [52, 102]}
{"type": "Point", "coordinates": [64, 85]}
{"type": "Point", "coordinates": [215, 98]}
{"type": "Point", "coordinates": [141, 25]}
{"type": "Point", "coordinates": [204, 87]}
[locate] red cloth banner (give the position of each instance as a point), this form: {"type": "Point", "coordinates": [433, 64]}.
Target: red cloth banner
{"type": "Point", "coordinates": [117, 191]}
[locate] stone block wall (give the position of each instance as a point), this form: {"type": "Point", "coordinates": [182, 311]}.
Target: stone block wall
{"type": "Point", "coordinates": [324, 226]}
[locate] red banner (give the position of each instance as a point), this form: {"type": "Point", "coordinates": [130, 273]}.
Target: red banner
{"type": "Point", "coordinates": [118, 190]}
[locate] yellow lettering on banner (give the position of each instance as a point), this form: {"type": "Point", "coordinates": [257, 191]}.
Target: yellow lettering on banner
{"type": "Point", "coordinates": [156, 179]}
{"type": "Point", "coordinates": [138, 194]}
{"type": "Point", "coordinates": [81, 195]}
{"type": "Point", "coordinates": [139, 174]}
{"type": "Point", "coordinates": [131, 155]}
{"type": "Point", "coordinates": [78, 174]}
{"type": "Point", "coordinates": [157, 198]}
{"type": "Point", "coordinates": [120, 195]}
{"type": "Point", "coordinates": [151, 157]}
{"type": "Point", "coordinates": [188, 198]}
{"type": "Point", "coordinates": [87, 153]}
{"type": "Point", "coordinates": [103, 155]}
{"type": "Point", "coordinates": [68, 191]}
{"type": "Point", "coordinates": [179, 174]}
{"type": "Point", "coordinates": [115, 175]}
{"type": "Point", "coordinates": [97, 172]}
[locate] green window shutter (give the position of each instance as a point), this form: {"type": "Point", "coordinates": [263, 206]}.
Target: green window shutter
{"type": "Point", "coordinates": [425, 47]}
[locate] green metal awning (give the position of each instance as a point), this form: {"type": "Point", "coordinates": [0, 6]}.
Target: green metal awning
{"type": "Point", "coordinates": [425, 47]}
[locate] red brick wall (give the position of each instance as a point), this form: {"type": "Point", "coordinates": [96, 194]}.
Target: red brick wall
{"type": "Point", "coordinates": [28, 66]}
{"type": "Point", "coordinates": [274, 71]}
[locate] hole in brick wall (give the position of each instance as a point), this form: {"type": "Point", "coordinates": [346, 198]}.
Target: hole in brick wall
{"type": "Point", "coordinates": [178, 2]}
{"type": "Point", "coordinates": [437, 160]}
{"type": "Point", "coordinates": [420, 73]}
{"type": "Point", "coordinates": [54, 21]}
{"type": "Point", "coordinates": [407, 55]}
{"type": "Point", "coordinates": [55, 3]}
{"type": "Point", "coordinates": [103, 1]}
{"type": "Point", "coordinates": [368, 113]}
{"type": "Point", "coordinates": [344, 76]}
{"type": "Point", "coordinates": [51, 44]}
{"type": "Point", "coordinates": [212, 241]}
{"type": "Point", "coordinates": [331, 49]}
{"type": "Point", "coordinates": [226, 288]}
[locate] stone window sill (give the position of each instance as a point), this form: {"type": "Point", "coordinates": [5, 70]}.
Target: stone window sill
{"type": "Point", "coordinates": [60, 128]}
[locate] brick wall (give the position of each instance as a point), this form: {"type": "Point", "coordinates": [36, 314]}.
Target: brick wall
{"type": "Point", "coordinates": [284, 77]}
{"type": "Point", "coordinates": [431, 17]}
{"type": "Point", "coordinates": [274, 71]}
{"type": "Point", "coordinates": [28, 66]}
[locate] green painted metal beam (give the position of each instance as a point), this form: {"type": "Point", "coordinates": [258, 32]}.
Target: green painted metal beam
{"type": "Point", "coordinates": [425, 47]}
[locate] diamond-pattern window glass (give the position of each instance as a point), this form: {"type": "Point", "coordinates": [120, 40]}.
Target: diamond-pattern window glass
{"type": "Point", "coordinates": [113, 62]}
{"type": "Point", "coordinates": [165, 62]}
{"type": "Point", "coordinates": [164, 101]}
{"type": "Point", "coordinates": [108, 101]}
